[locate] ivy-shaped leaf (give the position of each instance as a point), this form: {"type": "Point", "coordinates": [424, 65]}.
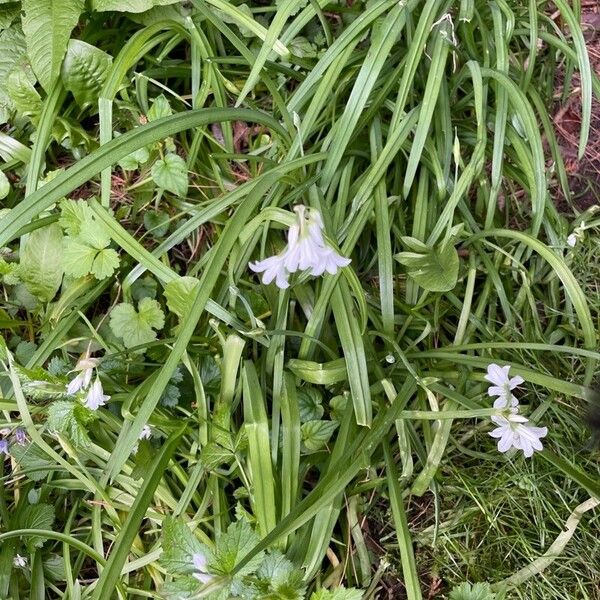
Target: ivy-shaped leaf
{"type": "Point", "coordinates": [133, 161]}
{"type": "Point", "coordinates": [137, 328]}
{"type": "Point", "coordinates": [160, 108]}
{"type": "Point", "coordinates": [170, 173]}
{"type": "Point", "coordinates": [316, 434]}
{"type": "Point", "coordinates": [309, 404]}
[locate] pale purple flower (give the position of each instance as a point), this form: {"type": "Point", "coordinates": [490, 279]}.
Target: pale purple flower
{"type": "Point", "coordinates": [95, 397]}
{"type": "Point", "coordinates": [514, 431]}
{"type": "Point", "coordinates": [86, 367]}
{"type": "Point", "coordinates": [4, 447]}
{"type": "Point", "coordinates": [201, 574]}
{"type": "Point", "coordinates": [503, 385]}
{"type": "Point", "coordinates": [306, 250]}
{"type": "Point", "coordinates": [20, 436]}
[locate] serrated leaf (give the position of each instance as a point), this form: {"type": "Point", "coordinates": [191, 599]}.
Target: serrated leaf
{"type": "Point", "coordinates": [170, 173]}
{"type": "Point", "coordinates": [436, 269]}
{"type": "Point", "coordinates": [160, 108]}
{"type": "Point", "coordinates": [183, 588]}
{"type": "Point", "coordinates": [47, 26]}
{"type": "Point", "coordinates": [105, 263]}
{"type": "Point", "coordinates": [71, 419]}
{"type": "Point", "coordinates": [38, 384]}
{"type": "Point", "coordinates": [316, 434]}
{"type": "Point", "coordinates": [179, 546]}
{"type": "Point", "coordinates": [213, 455]}
{"type": "Point", "coordinates": [145, 287]}
{"type": "Point", "coordinates": [339, 593]}
{"type": "Point", "coordinates": [73, 214]}
{"type": "Point", "coordinates": [41, 265]}
{"type": "Point", "coordinates": [178, 294]}
{"type": "Point", "coordinates": [136, 328]}
{"type": "Point", "coordinates": [78, 258]}
{"type": "Point", "coordinates": [134, 6]}
{"type": "Point", "coordinates": [478, 591]}
{"type": "Point", "coordinates": [84, 71]}
{"type": "Point", "coordinates": [24, 351]}
{"type": "Point", "coordinates": [92, 234]}
{"type": "Point", "coordinates": [38, 516]}
{"type": "Point", "coordinates": [33, 461]}
{"type": "Point", "coordinates": [231, 547]}
{"type": "Point", "coordinates": [4, 185]}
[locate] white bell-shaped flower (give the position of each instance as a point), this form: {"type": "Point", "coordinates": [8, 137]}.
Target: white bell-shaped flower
{"type": "Point", "coordinates": [514, 431]}
{"type": "Point", "coordinates": [503, 385]}
{"type": "Point", "coordinates": [306, 250]}
{"type": "Point", "coordinates": [85, 367]}
{"type": "Point", "coordinates": [96, 397]}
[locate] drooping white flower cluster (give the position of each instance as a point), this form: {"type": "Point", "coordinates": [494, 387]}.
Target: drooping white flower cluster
{"type": "Point", "coordinates": [514, 430]}
{"type": "Point", "coordinates": [95, 397]}
{"type": "Point", "coordinates": [578, 234]}
{"type": "Point", "coordinates": [306, 250]}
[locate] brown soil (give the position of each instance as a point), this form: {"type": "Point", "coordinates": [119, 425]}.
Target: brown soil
{"type": "Point", "coordinates": [584, 174]}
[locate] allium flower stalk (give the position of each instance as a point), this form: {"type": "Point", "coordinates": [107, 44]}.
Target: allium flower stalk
{"type": "Point", "coordinates": [306, 250]}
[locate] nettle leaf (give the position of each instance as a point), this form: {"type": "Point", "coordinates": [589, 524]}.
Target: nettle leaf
{"type": "Point", "coordinates": [32, 461]}
{"type": "Point", "coordinates": [41, 265]}
{"type": "Point", "coordinates": [38, 384]}
{"type": "Point", "coordinates": [4, 185]}
{"type": "Point", "coordinates": [160, 108]}
{"type": "Point", "coordinates": [309, 404]}
{"type": "Point", "coordinates": [37, 516]}
{"type": "Point", "coordinates": [339, 593]}
{"type": "Point", "coordinates": [133, 6]}
{"type": "Point", "coordinates": [179, 294]}
{"type": "Point", "coordinates": [136, 328]}
{"type": "Point", "coordinates": [170, 173]}
{"type": "Point", "coordinates": [231, 547]}
{"type": "Point", "coordinates": [47, 26]}
{"type": "Point", "coordinates": [214, 455]}
{"type": "Point", "coordinates": [184, 588]}
{"type": "Point", "coordinates": [84, 71]}
{"type": "Point", "coordinates": [434, 269]}
{"type": "Point", "coordinates": [316, 434]}
{"type": "Point", "coordinates": [279, 578]}
{"type": "Point", "coordinates": [71, 419]}
{"type": "Point", "coordinates": [478, 591]}
{"type": "Point", "coordinates": [179, 546]}
{"type": "Point", "coordinates": [156, 223]}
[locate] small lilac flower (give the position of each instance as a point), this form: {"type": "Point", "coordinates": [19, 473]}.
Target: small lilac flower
{"type": "Point", "coordinates": [306, 250]}
{"type": "Point", "coordinates": [4, 447]}
{"type": "Point", "coordinates": [95, 397]}
{"type": "Point", "coordinates": [199, 561]}
{"type": "Point", "coordinates": [20, 436]}
{"type": "Point", "coordinates": [503, 385]}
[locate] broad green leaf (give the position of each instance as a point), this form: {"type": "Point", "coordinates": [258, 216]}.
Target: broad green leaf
{"type": "Point", "coordinates": [179, 546]}
{"type": "Point", "coordinates": [78, 258]}
{"type": "Point", "coordinates": [133, 6]}
{"type": "Point", "coordinates": [231, 547]}
{"type": "Point", "coordinates": [20, 88]}
{"type": "Point", "coordinates": [84, 71]}
{"type": "Point", "coordinates": [73, 214]}
{"type": "Point", "coordinates": [8, 13]}
{"type": "Point", "coordinates": [156, 223]}
{"type": "Point", "coordinates": [47, 25]}
{"type": "Point", "coordinates": [316, 434]}
{"type": "Point", "coordinates": [179, 293]}
{"type": "Point", "coordinates": [4, 185]}
{"type": "Point", "coordinates": [133, 161]}
{"type": "Point", "coordinates": [12, 49]}
{"type": "Point", "coordinates": [309, 404]}
{"type": "Point", "coordinates": [136, 328]}
{"type": "Point", "coordinates": [105, 263]}
{"type": "Point", "coordinates": [37, 516]}
{"type": "Point", "coordinates": [478, 591]}
{"type": "Point", "coordinates": [71, 419]}
{"type": "Point", "coordinates": [160, 108]}
{"type": "Point", "coordinates": [41, 268]}
{"type": "Point", "coordinates": [170, 173]}
{"type": "Point", "coordinates": [32, 461]}
{"type": "Point", "coordinates": [435, 269]}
